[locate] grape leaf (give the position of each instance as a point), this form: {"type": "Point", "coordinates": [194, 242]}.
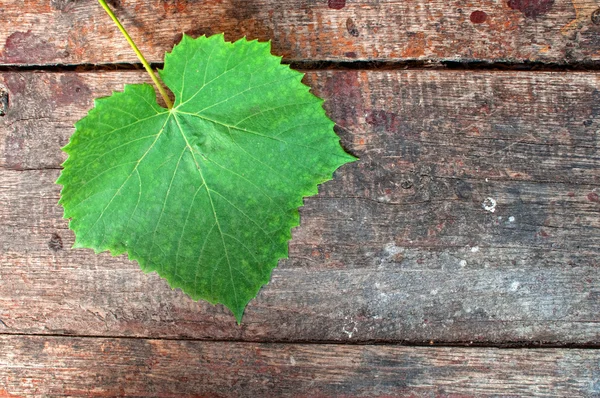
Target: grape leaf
{"type": "Point", "coordinates": [205, 193]}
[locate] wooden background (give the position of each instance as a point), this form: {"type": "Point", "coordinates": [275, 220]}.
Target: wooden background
{"type": "Point", "coordinates": [458, 257]}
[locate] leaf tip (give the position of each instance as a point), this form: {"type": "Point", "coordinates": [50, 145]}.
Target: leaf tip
{"type": "Point", "coordinates": [239, 314]}
{"type": "Point", "coordinates": [218, 36]}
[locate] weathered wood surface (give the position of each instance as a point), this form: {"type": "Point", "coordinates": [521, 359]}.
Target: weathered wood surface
{"type": "Point", "coordinates": [398, 248]}
{"type": "Point", "coordinates": [42, 32]}
{"type": "Point", "coordinates": [59, 366]}
{"type": "Point", "coordinates": [472, 217]}
{"type": "Point", "coordinates": [509, 126]}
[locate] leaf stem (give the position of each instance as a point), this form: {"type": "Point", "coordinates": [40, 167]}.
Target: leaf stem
{"type": "Point", "coordinates": [153, 76]}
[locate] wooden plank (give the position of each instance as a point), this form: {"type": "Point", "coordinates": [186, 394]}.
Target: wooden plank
{"type": "Point", "coordinates": [401, 246]}
{"type": "Point", "coordinates": [39, 32]}
{"type": "Point", "coordinates": [497, 125]}
{"type": "Point", "coordinates": [91, 367]}
{"type": "Point", "coordinates": [350, 276]}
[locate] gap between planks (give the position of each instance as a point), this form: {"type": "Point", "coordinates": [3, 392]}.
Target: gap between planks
{"type": "Point", "coordinates": [531, 345]}
{"type": "Point", "coordinates": [363, 65]}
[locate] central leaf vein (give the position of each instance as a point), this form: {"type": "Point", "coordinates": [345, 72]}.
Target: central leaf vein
{"type": "Point", "coordinates": [212, 205]}
{"type": "Point", "coordinates": [164, 205]}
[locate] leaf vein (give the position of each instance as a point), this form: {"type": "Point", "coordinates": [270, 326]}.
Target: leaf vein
{"type": "Point", "coordinates": [128, 177]}
{"type": "Point", "coordinates": [213, 210]}
{"type": "Point", "coordinates": [244, 214]}
{"type": "Point", "coordinates": [185, 225]}
{"type": "Point", "coordinates": [162, 210]}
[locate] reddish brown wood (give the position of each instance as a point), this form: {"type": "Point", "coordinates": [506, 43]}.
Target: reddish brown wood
{"type": "Point", "coordinates": [399, 247]}
{"type": "Point", "coordinates": [41, 32]}
{"type": "Point", "coordinates": [498, 125]}
{"type": "Point", "coordinates": [60, 366]}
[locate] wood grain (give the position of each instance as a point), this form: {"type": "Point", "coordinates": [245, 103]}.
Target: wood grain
{"type": "Point", "coordinates": [538, 127]}
{"type": "Point", "coordinates": [399, 247]}
{"type": "Point", "coordinates": [41, 32]}
{"type": "Point", "coordinates": [472, 217]}
{"type": "Point", "coordinates": [59, 366]}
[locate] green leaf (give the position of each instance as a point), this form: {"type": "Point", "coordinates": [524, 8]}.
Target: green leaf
{"type": "Point", "coordinates": [205, 193]}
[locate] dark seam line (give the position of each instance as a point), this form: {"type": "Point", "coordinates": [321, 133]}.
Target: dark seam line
{"type": "Point", "coordinates": [396, 343]}
{"type": "Point", "coordinates": [314, 65]}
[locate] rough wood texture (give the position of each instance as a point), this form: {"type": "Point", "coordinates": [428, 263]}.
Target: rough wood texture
{"type": "Point", "coordinates": [42, 32]}
{"type": "Point", "coordinates": [59, 366]}
{"type": "Point", "coordinates": [472, 217]}
{"type": "Point", "coordinates": [401, 246]}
